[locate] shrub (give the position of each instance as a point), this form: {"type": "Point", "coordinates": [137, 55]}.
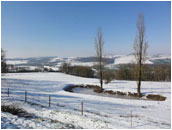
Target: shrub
{"type": "Point", "coordinates": [65, 67]}
{"type": "Point", "coordinates": [155, 72]}
{"type": "Point", "coordinates": [83, 71]}
{"type": "Point", "coordinates": [108, 76]}
{"type": "Point", "coordinates": [124, 72]}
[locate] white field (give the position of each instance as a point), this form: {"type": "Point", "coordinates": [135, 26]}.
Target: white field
{"type": "Point", "coordinates": [99, 112]}
{"type": "Point", "coordinates": [14, 62]}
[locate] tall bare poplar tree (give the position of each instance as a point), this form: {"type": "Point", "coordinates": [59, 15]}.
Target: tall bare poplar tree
{"type": "Point", "coordinates": [140, 48]}
{"type": "Point", "coordinates": [99, 55]}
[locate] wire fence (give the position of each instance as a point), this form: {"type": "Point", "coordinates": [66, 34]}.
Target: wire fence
{"type": "Point", "coordinates": [48, 101]}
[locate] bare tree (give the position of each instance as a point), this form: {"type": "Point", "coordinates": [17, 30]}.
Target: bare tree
{"type": "Point", "coordinates": [4, 68]}
{"type": "Point", "coordinates": [99, 55]}
{"type": "Point", "coordinates": [140, 48]}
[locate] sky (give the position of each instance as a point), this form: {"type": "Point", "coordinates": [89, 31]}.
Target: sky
{"type": "Point", "coordinates": [33, 29]}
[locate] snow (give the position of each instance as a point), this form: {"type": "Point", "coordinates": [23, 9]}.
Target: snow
{"type": "Point", "coordinates": [126, 59]}
{"type": "Point", "coordinates": [99, 111]}
{"type": "Point", "coordinates": [55, 59]}
{"type": "Point", "coordinates": [72, 61]}
{"type": "Point", "coordinates": [155, 57]}
{"type": "Point", "coordinates": [32, 67]}
{"type": "Point", "coordinates": [13, 62]}
{"type": "Point", "coordinates": [83, 63]}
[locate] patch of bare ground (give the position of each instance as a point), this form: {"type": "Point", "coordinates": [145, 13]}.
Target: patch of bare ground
{"type": "Point", "coordinates": [16, 111]}
{"type": "Point", "coordinates": [24, 114]}
{"type": "Point", "coordinates": [155, 97]}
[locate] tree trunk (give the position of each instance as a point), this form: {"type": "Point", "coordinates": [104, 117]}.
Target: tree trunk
{"type": "Point", "coordinates": [138, 87]}
{"type": "Point", "coordinates": [139, 81]}
{"type": "Point", "coordinates": [101, 81]}
{"type": "Point", "coordinates": [101, 75]}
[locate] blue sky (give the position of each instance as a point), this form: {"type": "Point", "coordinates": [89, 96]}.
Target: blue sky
{"type": "Point", "coordinates": [69, 28]}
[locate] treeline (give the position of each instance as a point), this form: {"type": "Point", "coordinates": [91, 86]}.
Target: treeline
{"type": "Point", "coordinates": [83, 71]}
{"type": "Point", "coordinates": [4, 68]}
{"type": "Point", "coordinates": [157, 72]}
{"type": "Point", "coordinates": [25, 69]}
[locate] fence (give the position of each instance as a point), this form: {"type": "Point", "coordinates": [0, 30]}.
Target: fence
{"type": "Point", "coordinates": [49, 103]}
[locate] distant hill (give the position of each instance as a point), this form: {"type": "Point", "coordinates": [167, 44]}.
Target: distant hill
{"type": "Point", "coordinates": [54, 62]}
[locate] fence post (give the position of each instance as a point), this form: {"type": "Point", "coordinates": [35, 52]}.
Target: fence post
{"type": "Point", "coordinates": [82, 107]}
{"type": "Point", "coordinates": [131, 118]}
{"type": "Point", "coordinates": [25, 96]}
{"type": "Point", "coordinates": [49, 101]}
{"type": "Point", "coordinates": [8, 92]}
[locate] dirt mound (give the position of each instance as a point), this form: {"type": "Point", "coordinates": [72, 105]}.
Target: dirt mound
{"type": "Point", "coordinates": [128, 95]}
{"type": "Point", "coordinates": [156, 97]}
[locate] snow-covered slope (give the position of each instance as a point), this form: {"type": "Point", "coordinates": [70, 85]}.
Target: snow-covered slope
{"type": "Point", "coordinates": [99, 112]}
{"type": "Point", "coordinates": [126, 59]}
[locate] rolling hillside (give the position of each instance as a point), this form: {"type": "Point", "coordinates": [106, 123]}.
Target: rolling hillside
{"type": "Point", "coordinates": [112, 61]}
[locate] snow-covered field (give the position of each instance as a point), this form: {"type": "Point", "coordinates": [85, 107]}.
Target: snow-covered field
{"type": "Point", "coordinates": [99, 112]}
{"type": "Point", "coordinates": [13, 62]}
